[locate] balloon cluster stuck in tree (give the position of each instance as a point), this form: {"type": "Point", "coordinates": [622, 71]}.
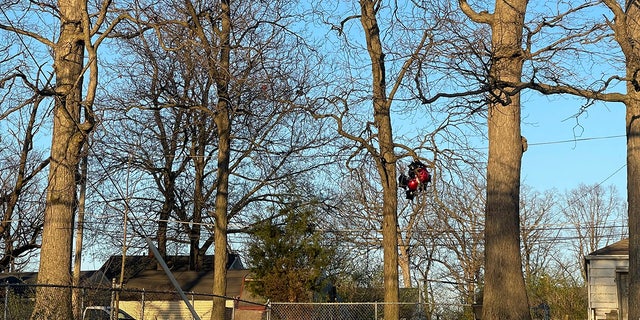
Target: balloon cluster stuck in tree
{"type": "Point", "coordinates": [417, 179]}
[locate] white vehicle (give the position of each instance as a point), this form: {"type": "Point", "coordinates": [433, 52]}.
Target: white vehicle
{"type": "Point", "coordinates": [103, 313]}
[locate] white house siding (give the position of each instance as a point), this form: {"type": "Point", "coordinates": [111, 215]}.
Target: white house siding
{"type": "Point", "coordinates": [166, 310]}
{"type": "Point", "coordinates": [602, 272]}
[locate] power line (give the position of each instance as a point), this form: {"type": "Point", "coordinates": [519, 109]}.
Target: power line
{"type": "Point", "coordinates": [576, 140]}
{"type": "Point", "coordinates": [470, 148]}
{"type": "Point", "coordinates": [19, 35]}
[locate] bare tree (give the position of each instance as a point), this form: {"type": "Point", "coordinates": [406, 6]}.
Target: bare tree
{"type": "Point", "coordinates": [589, 39]}
{"type": "Point", "coordinates": [626, 28]}
{"type": "Point", "coordinates": [401, 47]}
{"type": "Point", "coordinates": [596, 214]}
{"type": "Point", "coordinates": [22, 177]}
{"type": "Point", "coordinates": [457, 230]}
{"type": "Point", "coordinates": [70, 128]}
{"type": "Point", "coordinates": [503, 261]}
{"type": "Point", "coordinates": [539, 221]}
{"type": "Point", "coordinates": [379, 142]}
{"type": "Point", "coordinates": [73, 119]}
{"type": "Point", "coordinates": [213, 120]}
{"type": "Point", "coordinates": [357, 214]}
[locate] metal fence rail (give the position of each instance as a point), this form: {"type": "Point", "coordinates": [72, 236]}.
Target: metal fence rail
{"type": "Point", "coordinates": [340, 311]}
{"type": "Point", "coordinates": [17, 300]}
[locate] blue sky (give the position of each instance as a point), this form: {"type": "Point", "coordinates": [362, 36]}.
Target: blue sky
{"type": "Point", "coordinates": [565, 150]}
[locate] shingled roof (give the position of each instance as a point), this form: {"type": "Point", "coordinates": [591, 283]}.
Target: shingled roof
{"type": "Point", "coordinates": [620, 248]}
{"type": "Point", "coordinates": [142, 273]}
{"type": "Point", "coordinates": [135, 264]}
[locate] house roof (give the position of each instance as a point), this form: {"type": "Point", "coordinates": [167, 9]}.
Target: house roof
{"type": "Point", "coordinates": [197, 282]}
{"type": "Point", "coordinates": [17, 278]}
{"type": "Point", "coordinates": [620, 248]}
{"type": "Point", "coordinates": [143, 273]}
{"type": "Point", "coordinates": [135, 264]}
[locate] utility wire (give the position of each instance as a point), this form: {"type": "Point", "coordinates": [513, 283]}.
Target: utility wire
{"type": "Point", "coordinates": [20, 36]}
{"type": "Point", "coordinates": [576, 140]}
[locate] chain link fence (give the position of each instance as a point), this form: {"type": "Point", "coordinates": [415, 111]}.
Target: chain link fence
{"type": "Point", "coordinates": [17, 302]}
{"type": "Point", "coordinates": [342, 311]}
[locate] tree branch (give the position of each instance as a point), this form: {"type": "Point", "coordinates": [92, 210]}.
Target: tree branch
{"type": "Point", "coordinates": [33, 35]}
{"type": "Point", "coordinates": [563, 89]}
{"type": "Point", "coordinates": [479, 17]}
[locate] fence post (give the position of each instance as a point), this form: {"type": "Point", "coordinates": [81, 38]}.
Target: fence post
{"type": "Point", "coordinates": [82, 294]}
{"type": "Point", "coordinates": [6, 301]}
{"type": "Point", "coordinates": [112, 304]}
{"type": "Point", "coordinates": [268, 310]}
{"type": "Point", "coordinates": [173, 280]}
{"type": "Point", "coordinates": [193, 303]}
{"type": "Point", "coordinates": [142, 305]}
{"type": "Point", "coordinates": [375, 311]}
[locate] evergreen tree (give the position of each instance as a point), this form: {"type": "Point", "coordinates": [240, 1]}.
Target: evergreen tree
{"type": "Point", "coordinates": [287, 256]}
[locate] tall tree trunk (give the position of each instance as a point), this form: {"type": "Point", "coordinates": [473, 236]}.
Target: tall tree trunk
{"type": "Point", "coordinates": [505, 295]}
{"type": "Point", "coordinates": [632, 53]}
{"type": "Point", "coordinates": [163, 218]}
{"type": "Point", "coordinates": [199, 163]}
{"type": "Point", "coordinates": [220, 214]}
{"type": "Point", "coordinates": [195, 257]}
{"type": "Point", "coordinates": [404, 262]}
{"type": "Point", "coordinates": [68, 136]}
{"type": "Point", "coordinates": [633, 196]}
{"type": "Point", "coordinates": [385, 160]}
{"type": "Point", "coordinates": [77, 265]}
{"type": "Point", "coordinates": [626, 26]}
{"type": "Point", "coordinates": [223, 124]}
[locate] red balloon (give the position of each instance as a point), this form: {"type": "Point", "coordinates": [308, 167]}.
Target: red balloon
{"type": "Point", "coordinates": [423, 175]}
{"type": "Point", "coordinates": [413, 184]}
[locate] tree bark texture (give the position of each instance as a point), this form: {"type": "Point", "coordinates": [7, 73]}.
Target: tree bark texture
{"type": "Point", "coordinates": [220, 215]}
{"type": "Point", "coordinates": [69, 134]}
{"type": "Point", "coordinates": [629, 32]}
{"type": "Point", "coordinates": [385, 160]}
{"type": "Point", "coordinates": [77, 259]}
{"type": "Point", "coordinates": [404, 263]}
{"type": "Point", "coordinates": [505, 294]}
{"type": "Point", "coordinates": [223, 124]}
{"type": "Point", "coordinates": [633, 196]}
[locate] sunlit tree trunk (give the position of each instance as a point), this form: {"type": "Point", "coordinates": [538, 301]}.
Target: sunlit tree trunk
{"type": "Point", "coordinates": [632, 53]}
{"type": "Point", "coordinates": [404, 262]}
{"type": "Point", "coordinates": [77, 259]}
{"type": "Point", "coordinates": [505, 294]}
{"type": "Point", "coordinates": [626, 26]}
{"type": "Point", "coordinates": [385, 160]}
{"type": "Point", "coordinates": [69, 134]}
{"type": "Point", "coordinates": [223, 124]}
{"type": "Point", "coordinates": [196, 256]}
{"type": "Point", "coordinates": [220, 215]}
{"type": "Point", "coordinates": [633, 194]}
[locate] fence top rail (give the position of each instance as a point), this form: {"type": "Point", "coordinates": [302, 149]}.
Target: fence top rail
{"type": "Point", "coordinates": [346, 303]}
{"type": "Point", "coordinates": [129, 290]}
{"type": "Point", "coordinates": [370, 303]}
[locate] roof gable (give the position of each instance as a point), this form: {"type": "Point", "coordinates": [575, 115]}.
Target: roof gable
{"type": "Point", "coordinates": [620, 248]}
{"type": "Point", "coordinates": [198, 282]}
{"type": "Point", "coordinates": [135, 264]}
{"type": "Point", "coordinates": [142, 273]}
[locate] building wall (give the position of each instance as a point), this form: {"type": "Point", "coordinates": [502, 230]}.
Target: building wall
{"type": "Point", "coordinates": [177, 310]}
{"type": "Point", "coordinates": [166, 310]}
{"type": "Point", "coordinates": [602, 275]}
